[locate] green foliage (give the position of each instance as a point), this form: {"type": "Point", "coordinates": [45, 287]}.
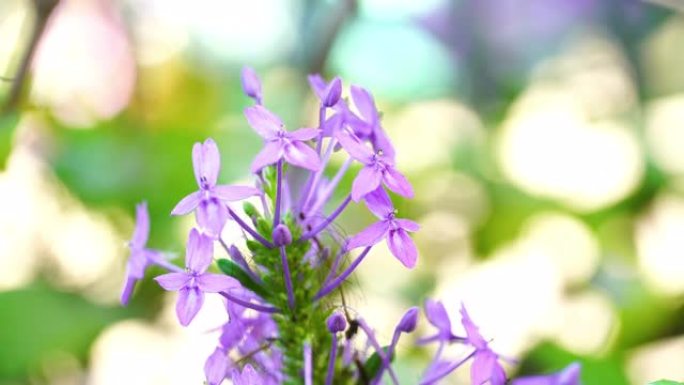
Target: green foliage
{"type": "Point", "coordinates": [373, 364]}
{"type": "Point", "coordinates": [8, 124]}
{"type": "Point", "coordinates": [666, 382]}
{"type": "Point", "coordinates": [38, 321]}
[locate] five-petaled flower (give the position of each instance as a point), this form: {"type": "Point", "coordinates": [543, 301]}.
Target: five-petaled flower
{"type": "Point", "coordinates": [394, 229]}
{"type": "Point", "coordinates": [195, 281]}
{"type": "Point", "coordinates": [378, 168]}
{"type": "Point", "coordinates": [210, 200]}
{"type": "Point", "coordinates": [279, 143]}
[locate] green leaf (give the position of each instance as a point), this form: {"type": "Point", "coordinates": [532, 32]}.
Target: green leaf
{"type": "Point", "coordinates": [666, 382]}
{"type": "Point", "coordinates": [374, 363]}
{"type": "Point", "coordinates": [39, 321]}
{"type": "Point", "coordinates": [232, 269]}
{"type": "Point", "coordinates": [8, 123]}
{"type": "Point", "coordinates": [250, 210]}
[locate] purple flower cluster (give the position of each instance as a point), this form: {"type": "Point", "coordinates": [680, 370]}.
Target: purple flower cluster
{"type": "Point", "coordinates": [283, 326]}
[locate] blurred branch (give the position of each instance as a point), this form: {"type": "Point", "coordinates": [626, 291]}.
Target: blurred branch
{"type": "Point", "coordinates": [677, 5]}
{"type": "Point", "coordinates": [43, 9]}
{"type": "Point", "coordinates": [329, 34]}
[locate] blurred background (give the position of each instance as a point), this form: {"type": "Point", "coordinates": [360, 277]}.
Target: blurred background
{"type": "Point", "coordinates": [544, 138]}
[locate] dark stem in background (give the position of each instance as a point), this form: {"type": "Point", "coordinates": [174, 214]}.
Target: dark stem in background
{"type": "Point", "coordinates": [43, 9]}
{"type": "Point", "coordinates": [328, 33]}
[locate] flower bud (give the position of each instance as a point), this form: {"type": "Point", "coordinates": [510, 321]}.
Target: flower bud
{"type": "Point", "coordinates": [332, 93]}
{"type": "Point", "coordinates": [251, 85]}
{"type": "Point", "coordinates": [336, 323]}
{"type": "Point", "coordinates": [408, 321]}
{"type": "Point", "coordinates": [282, 235]}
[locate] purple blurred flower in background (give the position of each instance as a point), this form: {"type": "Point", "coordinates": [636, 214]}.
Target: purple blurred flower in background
{"type": "Point", "coordinates": [141, 257]}
{"type": "Point", "coordinates": [194, 282]}
{"type": "Point", "coordinates": [251, 85]}
{"type": "Point", "coordinates": [485, 366]}
{"type": "Point", "coordinates": [210, 200]}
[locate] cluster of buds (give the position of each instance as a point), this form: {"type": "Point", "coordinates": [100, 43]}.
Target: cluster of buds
{"type": "Point", "coordinates": [285, 321]}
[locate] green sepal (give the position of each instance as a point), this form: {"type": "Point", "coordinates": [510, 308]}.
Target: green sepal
{"type": "Point", "coordinates": [250, 210]}
{"type": "Point", "coordinates": [264, 227]}
{"type": "Point", "coordinates": [232, 269]}
{"type": "Point", "coordinates": [373, 364]}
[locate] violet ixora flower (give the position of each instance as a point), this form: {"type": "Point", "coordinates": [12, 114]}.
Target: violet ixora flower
{"type": "Point", "coordinates": [279, 143]}
{"type": "Point", "coordinates": [209, 201]}
{"type": "Point", "coordinates": [141, 257]}
{"type": "Point", "coordinates": [394, 229]}
{"type": "Point", "coordinates": [570, 375]}
{"type": "Point", "coordinates": [378, 169]}
{"type": "Point", "coordinates": [195, 281]}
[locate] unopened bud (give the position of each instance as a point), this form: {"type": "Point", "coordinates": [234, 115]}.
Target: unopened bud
{"type": "Point", "coordinates": [336, 323]}
{"type": "Point", "coordinates": [251, 85]}
{"type": "Point", "coordinates": [408, 321]}
{"type": "Point", "coordinates": [332, 93]}
{"type": "Point", "coordinates": [282, 235]}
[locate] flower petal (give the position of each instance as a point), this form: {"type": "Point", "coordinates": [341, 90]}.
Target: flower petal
{"type": "Point", "coordinates": [190, 301]}
{"type": "Point", "coordinates": [317, 85]}
{"type": "Point", "coordinates": [437, 316]}
{"type": "Point", "coordinates": [364, 102]}
{"type": "Point", "coordinates": [214, 283]}
{"type": "Point", "coordinates": [142, 226]}
{"type": "Point", "coordinates": [382, 144]}
{"type": "Point", "coordinates": [482, 367]}
{"type": "Point", "coordinates": [216, 367]}
{"type": "Point", "coordinates": [396, 182]}
{"type": "Point", "coordinates": [187, 204]}
{"type": "Point", "coordinates": [402, 247]}
{"type": "Point", "coordinates": [270, 154]}
{"type": "Point", "coordinates": [474, 336]}
{"type": "Point", "coordinates": [379, 203]}
{"type": "Point", "coordinates": [129, 285]}
{"type": "Point", "coordinates": [369, 236]}
{"type": "Point", "coordinates": [407, 224]}
{"type": "Point", "coordinates": [197, 154]}
{"type": "Point", "coordinates": [211, 162]}
{"type": "Point", "coordinates": [353, 145]}
{"type": "Point", "coordinates": [366, 181]}
{"type": "Point", "coordinates": [172, 281]}
{"type": "Point", "coordinates": [211, 216]}
{"type": "Point", "coordinates": [234, 193]}
{"type": "Point", "coordinates": [263, 121]}
{"type": "Point", "coordinates": [304, 134]}
{"type": "Point", "coordinates": [199, 252]}
{"type": "Point", "coordinates": [299, 154]}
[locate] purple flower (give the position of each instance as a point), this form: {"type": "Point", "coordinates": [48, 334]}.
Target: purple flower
{"type": "Point", "coordinates": [279, 143]}
{"type": "Point", "coordinates": [485, 367]}
{"type": "Point", "coordinates": [216, 367]}
{"type": "Point", "coordinates": [141, 257]}
{"type": "Point", "coordinates": [194, 282]}
{"type": "Point", "coordinates": [439, 318]}
{"type": "Point", "coordinates": [249, 376]}
{"type": "Point", "coordinates": [394, 229]}
{"type": "Point", "coordinates": [378, 168]}
{"type": "Point", "coordinates": [570, 375]}
{"type": "Point", "coordinates": [209, 201]}
{"type": "Point", "coordinates": [251, 85]}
